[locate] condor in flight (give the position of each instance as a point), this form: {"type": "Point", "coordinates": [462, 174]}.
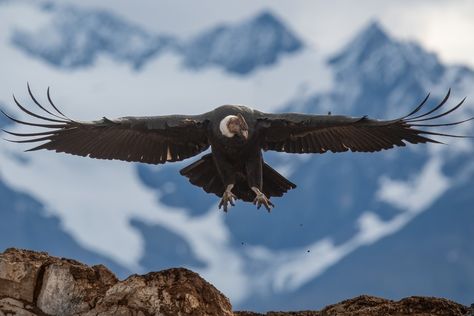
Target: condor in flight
{"type": "Point", "coordinates": [236, 135]}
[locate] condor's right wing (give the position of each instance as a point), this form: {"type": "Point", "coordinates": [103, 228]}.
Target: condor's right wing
{"type": "Point", "coordinates": [305, 133]}
{"type": "Point", "coordinates": [153, 139]}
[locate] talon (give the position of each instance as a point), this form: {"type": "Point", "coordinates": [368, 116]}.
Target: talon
{"type": "Point", "coordinates": [227, 198]}
{"type": "Point", "coordinates": [261, 199]}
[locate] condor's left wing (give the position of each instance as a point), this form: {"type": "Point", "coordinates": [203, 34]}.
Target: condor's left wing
{"type": "Point", "coordinates": [153, 139]}
{"type": "Point", "coordinates": [302, 133]}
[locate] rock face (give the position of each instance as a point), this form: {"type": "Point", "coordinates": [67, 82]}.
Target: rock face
{"type": "Point", "coordinates": [36, 284]}
{"type": "Point", "coordinates": [374, 306]}
{"type": "Point", "coordinates": [33, 283]}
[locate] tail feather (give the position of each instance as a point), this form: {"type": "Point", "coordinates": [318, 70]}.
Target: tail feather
{"type": "Point", "coordinates": [203, 173]}
{"type": "Point", "coordinates": [274, 184]}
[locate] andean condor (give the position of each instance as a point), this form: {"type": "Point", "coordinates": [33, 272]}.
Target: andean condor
{"type": "Point", "coordinates": [236, 134]}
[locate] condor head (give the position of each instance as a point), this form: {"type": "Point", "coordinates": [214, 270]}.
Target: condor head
{"type": "Point", "coordinates": [232, 125]}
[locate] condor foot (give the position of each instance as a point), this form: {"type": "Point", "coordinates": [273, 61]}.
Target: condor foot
{"type": "Point", "coordinates": [227, 198]}
{"type": "Point", "coordinates": [261, 199]}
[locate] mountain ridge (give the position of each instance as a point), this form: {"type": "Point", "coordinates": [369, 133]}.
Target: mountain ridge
{"type": "Point", "coordinates": [75, 37]}
{"type": "Point", "coordinates": [255, 42]}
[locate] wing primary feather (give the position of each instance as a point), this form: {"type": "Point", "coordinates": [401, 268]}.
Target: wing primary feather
{"type": "Point", "coordinates": [119, 145]}
{"type": "Point", "coordinates": [445, 124]}
{"type": "Point", "coordinates": [32, 124]}
{"type": "Point", "coordinates": [39, 147]}
{"type": "Point", "coordinates": [316, 147]}
{"type": "Point", "coordinates": [85, 146]}
{"type": "Point", "coordinates": [375, 139]}
{"type": "Point", "coordinates": [417, 108]}
{"type": "Point", "coordinates": [128, 139]}
{"type": "Point", "coordinates": [307, 144]}
{"type": "Point", "coordinates": [31, 140]}
{"type": "Point", "coordinates": [29, 134]}
{"type": "Point", "coordinates": [439, 115]}
{"type": "Point", "coordinates": [435, 108]}
{"type": "Point", "coordinates": [325, 142]}
{"type": "Point", "coordinates": [442, 134]}
{"type": "Point", "coordinates": [335, 141]}
{"type": "Point", "coordinates": [38, 104]}
{"type": "Point", "coordinates": [102, 145]}
{"type": "Point", "coordinates": [155, 152]}
{"type": "Point", "coordinates": [34, 114]}
{"type": "Point", "coordinates": [98, 146]}
{"type": "Point", "coordinates": [356, 139]}
{"type": "Point", "coordinates": [54, 106]}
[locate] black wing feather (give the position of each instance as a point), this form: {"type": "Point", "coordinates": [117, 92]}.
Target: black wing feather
{"type": "Point", "coordinates": [152, 140]}
{"type": "Point", "coordinates": [302, 133]}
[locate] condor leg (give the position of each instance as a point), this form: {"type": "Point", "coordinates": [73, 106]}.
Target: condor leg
{"type": "Point", "coordinates": [227, 198]}
{"type": "Point", "coordinates": [254, 171]}
{"type": "Point", "coordinates": [227, 174]}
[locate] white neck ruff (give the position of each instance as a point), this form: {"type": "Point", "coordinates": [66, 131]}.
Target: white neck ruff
{"type": "Point", "coordinates": [224, 128]}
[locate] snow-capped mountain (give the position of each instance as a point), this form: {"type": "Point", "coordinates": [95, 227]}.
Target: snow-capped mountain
{"type": "Point", "coordinates": [354, 220]}
{"type": "Point", "coordinates": [384, 217]}
{"type": "Point", "coordinates": [241, 48]}
{"type": "Point", "coordinates": [76, 37]}
{"type": "Point", "coordinates": [357, 200]}
{"type": "Point", "coordinates": [376, 63]}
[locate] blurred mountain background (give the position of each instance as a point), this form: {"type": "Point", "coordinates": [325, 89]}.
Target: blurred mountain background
{"type": "Point", "coordinates": [391, 224]}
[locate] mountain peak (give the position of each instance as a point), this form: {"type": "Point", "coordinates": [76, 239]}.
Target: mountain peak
{"type": "Point", "coordinates": [242, 47]}
{"type": "Point", "coordinates": [368, 39]}
{"type": "Point", "coordinates": [76, 36]}
{"type": "Point", "coordinates": [376, 58]}
{"type": "Point", "coordinates": [374, 31]}
{"type": "Point", "coordinates": [268, 17]}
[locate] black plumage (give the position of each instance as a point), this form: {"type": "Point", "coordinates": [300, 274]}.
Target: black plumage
{"type": "Point", "coordinates": [236, 134]}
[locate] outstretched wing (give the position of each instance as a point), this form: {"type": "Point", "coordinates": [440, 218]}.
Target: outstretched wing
{"type": "Point", "coordinates": [154, 139]}
{"type": "Point", "coordinates": [301, 133]}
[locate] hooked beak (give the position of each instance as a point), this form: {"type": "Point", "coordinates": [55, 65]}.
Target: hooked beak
{"type": "Point", "coordinates": [244, 133]}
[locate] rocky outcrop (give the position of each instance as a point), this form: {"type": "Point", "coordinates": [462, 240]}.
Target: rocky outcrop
{"type": "Point", "coordinates": [374, 306]}
{"type": "Point", "coordinates": [33, 283]}
{"type": "Point", "coordinates": [36, 284]}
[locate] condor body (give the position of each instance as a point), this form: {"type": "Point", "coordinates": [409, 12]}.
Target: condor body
{"type": "Point", "coordinates": [236, 134]}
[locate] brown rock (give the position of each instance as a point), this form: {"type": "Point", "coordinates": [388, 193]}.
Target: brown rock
{"type": "Point", "coordinates": [302, 313]}
{"type": "Point", "coordinates": [33, 283]}
{"type": "Point", "coordinates": [374, 306]}
{"type": "Point", "coordinates": [169, 292]}
{"type": "Point", "coordinates": [53, 285]}
{"type": "Point", "coordinates": [36, 284]}
{"type": "Point", "coordinates": [19, 272]}
{"type": "Point", "coordinates": [11, 306]}
{"type": "Point", "coordinates": [413, 306]}
{"type": "Point", "coordinates": [71, 288]}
